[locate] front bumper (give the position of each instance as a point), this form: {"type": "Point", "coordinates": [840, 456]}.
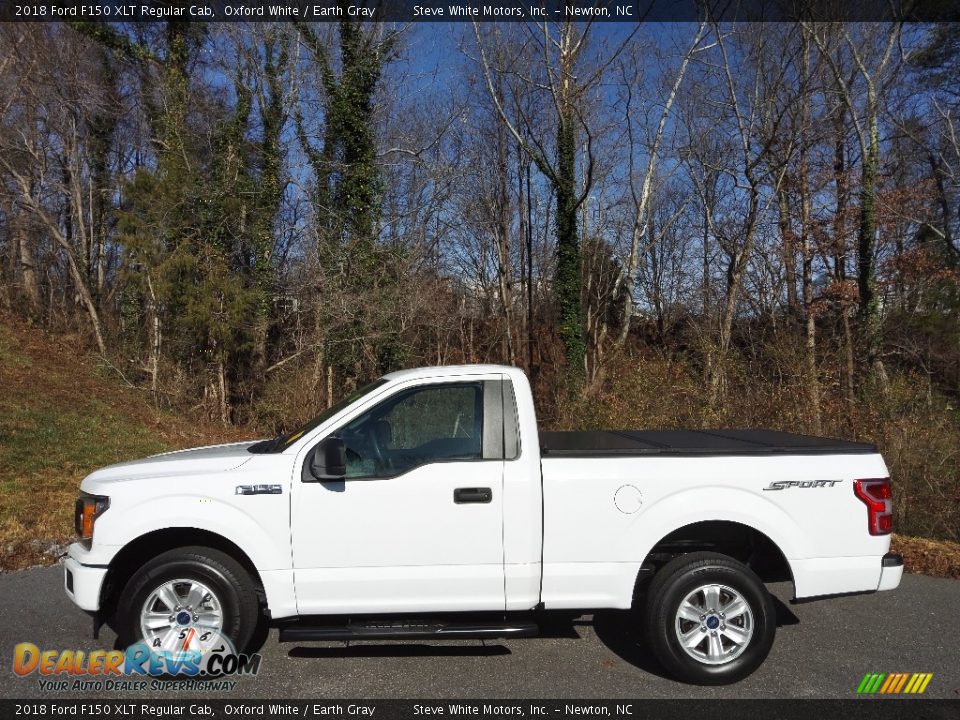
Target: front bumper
{"type": "Point", "coordinates": [83, 583]}
{"type": "Point", "coordinates": [891, 571]}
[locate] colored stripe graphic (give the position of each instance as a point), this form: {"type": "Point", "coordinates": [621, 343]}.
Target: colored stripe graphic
{"type": "Point", "coordinates": [894, 683]}
{"type": "Point", "coordinates": [903, 681]}
{"type": "Point", "coordinates": [870, 683]}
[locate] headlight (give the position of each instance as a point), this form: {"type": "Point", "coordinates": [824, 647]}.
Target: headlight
{"type": "Point", "coordinates": [88, 509]}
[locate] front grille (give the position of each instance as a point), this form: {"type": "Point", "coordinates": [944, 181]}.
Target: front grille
{"type": "Point", "coordinates": [69, 581]}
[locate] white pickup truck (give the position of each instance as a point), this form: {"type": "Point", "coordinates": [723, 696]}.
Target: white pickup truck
{"type": "Point", "coordinates": [428, 505]}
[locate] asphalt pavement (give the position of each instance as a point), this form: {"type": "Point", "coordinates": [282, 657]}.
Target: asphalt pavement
{"type": "Point", "coordinates": [822, 650]}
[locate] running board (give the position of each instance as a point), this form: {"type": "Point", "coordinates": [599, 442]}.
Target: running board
{"type": "Point", "coordinates": [406, 631]}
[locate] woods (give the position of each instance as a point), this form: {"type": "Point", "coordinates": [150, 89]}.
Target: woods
{"type": "Point", "coordinates": [664, 224]}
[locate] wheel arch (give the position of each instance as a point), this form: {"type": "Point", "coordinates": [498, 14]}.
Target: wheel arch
{"type": "Point", "coordinates": [742, 542]}
{"type": "Point", "coordinates": [144, 548]}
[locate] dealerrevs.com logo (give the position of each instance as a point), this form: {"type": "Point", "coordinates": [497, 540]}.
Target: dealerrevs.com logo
{"type": "Point", "coordinates": [137, 668]}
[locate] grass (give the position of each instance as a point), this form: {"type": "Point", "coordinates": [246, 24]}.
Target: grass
{"type": "Point", "coordinates": [62, 415]}
{"type": "Point", "coordinates": [45, 441]}
{"type": "Point", "coordinates": [51, 451]}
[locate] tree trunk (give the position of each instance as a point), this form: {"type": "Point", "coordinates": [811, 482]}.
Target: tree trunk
{"type": "Point", "coordinates": [329, 386]}
{"type": "Point", "coordinates": [569, 278]}
{"type": "Point", "coordinates": [705, 289]}
{"type": "Point", "coordinates": [806, 249]}
{"type": "Point", "coordinates": [735, 270]}
{"type": "Point", "coordinates": [849, 364]}
{"type": "Point", "coordinates": [869, 316]}
{"type": "Point", "coordinates": [936, 167]}
{"type": "Point", "coordinates": [86, 299]}
{"type": "Point", "coordinates": [788, 241]}
{"type": "Point", "coordinates": [839, 251]}
{"type": "Point", "coordinates": [503, 242]}
{"type": "Point", "coordinates": [319, 359]}
{"type": "Point", "coordinates": [656, 278]}
{"type": "Point", "coordinates": [222, 387]}
{"type": "Point", "coordinates": [27, 265]}
{"type": "Point", "coordinates": [810, 344]}
{"type": "Point", "coordinates": [102, 128]}
{"type": "Point", "coordinates": [153, 314]}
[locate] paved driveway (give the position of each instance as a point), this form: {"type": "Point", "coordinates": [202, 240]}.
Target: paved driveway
{"type": "Point", "coordinates": [822, 650]}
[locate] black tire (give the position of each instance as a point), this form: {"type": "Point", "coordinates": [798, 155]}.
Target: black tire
{"type": "Point", "coordinates": [669, 588]}
{"type": "Point", "coordinates": [223, 575]}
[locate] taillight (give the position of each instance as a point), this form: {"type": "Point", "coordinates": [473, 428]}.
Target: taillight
{"type": "Point", "coordinates": [878, 497]}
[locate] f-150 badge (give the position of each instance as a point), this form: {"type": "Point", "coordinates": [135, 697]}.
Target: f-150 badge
{"type": "Point", "coordinates": [259, 490]}
{"type": "Point", "coordinates": [785, 484]}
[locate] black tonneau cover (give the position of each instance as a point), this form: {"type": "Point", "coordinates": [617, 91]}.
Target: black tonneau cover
{"type": "Point", "coordinates": [692, 442]}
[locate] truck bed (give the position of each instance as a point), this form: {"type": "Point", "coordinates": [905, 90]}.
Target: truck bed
{"type": "Point", "coordinates": [604, 443]}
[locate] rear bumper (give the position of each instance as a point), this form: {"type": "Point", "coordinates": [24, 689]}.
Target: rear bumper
{"type": "Point", "coordinates": [822, 577]}
{"type": "Point", "coordinates": [82, 584]}
{"type": "Point", "coordinates": [818, 577]}
{"type": "Point", "coordinates": [891, 572]}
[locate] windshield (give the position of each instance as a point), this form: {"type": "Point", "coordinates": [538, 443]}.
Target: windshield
{"type": "Point", "coordinates": [282, 441]}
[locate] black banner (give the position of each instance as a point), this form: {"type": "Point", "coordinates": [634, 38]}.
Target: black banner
{"type": "Point", "coordinates": [199, 709]}
{"type": "Point", "coordinates": [624, 11]}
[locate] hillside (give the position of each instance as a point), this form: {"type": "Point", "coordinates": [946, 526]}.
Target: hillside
{"type": "Point", "coordinates": [64, 413]}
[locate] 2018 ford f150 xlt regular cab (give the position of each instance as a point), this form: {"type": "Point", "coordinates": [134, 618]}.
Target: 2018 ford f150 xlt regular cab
{"type": "Point", "coordinates": [427, 505]}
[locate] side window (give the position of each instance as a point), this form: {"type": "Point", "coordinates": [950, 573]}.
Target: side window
{"type": "Point", "coordinates": [416, 427]}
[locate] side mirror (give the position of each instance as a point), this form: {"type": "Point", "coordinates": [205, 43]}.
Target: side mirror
{"type": "Point", "coordinates": [328, 461]}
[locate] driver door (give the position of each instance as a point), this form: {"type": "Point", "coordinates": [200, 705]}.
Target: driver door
{"type": "Point", "coordinates": [417, 524]}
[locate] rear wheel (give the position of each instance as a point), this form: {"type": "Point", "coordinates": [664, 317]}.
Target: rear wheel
{"type": "Point", "coordinates": [709, 619]}
{"type": "Point", "coordinates": [188, 599]}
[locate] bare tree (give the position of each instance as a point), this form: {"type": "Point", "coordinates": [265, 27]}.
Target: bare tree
{"type": "Point", "coordinates": [45, 155]}
{"type": "Point", "coordinates": [652, 147]}
{"type": "Point", "coordinates": [563, 74]}
{"type": "Point", "coordinates": [755, 112]}
{"type": "Point", "coordinates": [874, 57]}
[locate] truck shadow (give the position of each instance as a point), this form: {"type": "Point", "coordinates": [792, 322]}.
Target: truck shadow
{"type": "Point", "coordinates": [619, 632]}
{"type": "Point", "coordinates": [784, 615]}
{"type": "Point", "coordinates": [551, 627]}
{"type": "Point", "coordinates": [383, 650]}
{"type": "Point", "coordinates": [616, 629]}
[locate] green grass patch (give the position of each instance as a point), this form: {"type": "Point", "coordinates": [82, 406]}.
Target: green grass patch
{"type": "Point", "coordinates": [44, 454]}
{"type": "Point", "coordinates": [58, 423]}
{"type": "Point", "coordinates": [38, 440]}
{"type": "Point", "coordinates": [63, 414]}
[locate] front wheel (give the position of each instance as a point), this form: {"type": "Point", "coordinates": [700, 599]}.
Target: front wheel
{"type": "Point", "coordinates": [188, 599]}
{"type": "Point", "coordinates": [709, 619]}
